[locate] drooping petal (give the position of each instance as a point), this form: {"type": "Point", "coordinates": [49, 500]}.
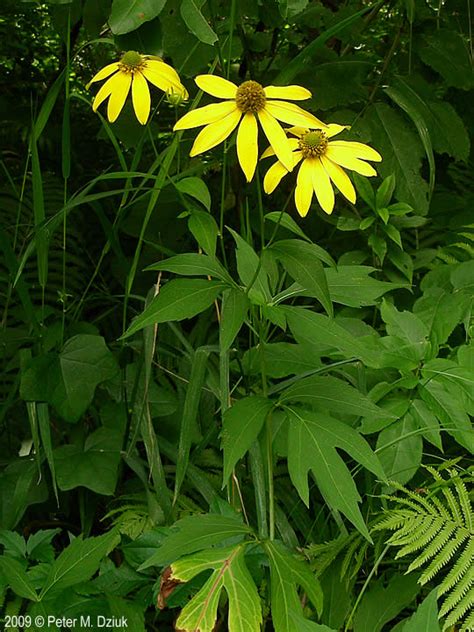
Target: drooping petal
{"type": "Point", "coordinates": [345, 158]}
{"type": "Point", "coordinates": [322, 186]}
{"type": "Point", "coordinates": [247, 144]}
{"type": "Point", "coordinates": [293, 114]}
{"type": "Point", "coordinates": [304, 187]}
{"type": "Point", "coordinates": [105, 72]}
{"type": "Point", "coordinates": [277, 138]}
{"type": "Point", "coordinates": [333, 129]}
{"type": "Point", "coordinates": [141, 97]}
{"type": "Point", "coordinates": [205, 115]}
{"type": "Point", "coordinates": [294, 93]}
{"type": "Point", "coordinates": [163, 69]}
{"type": "Point", "coordinates": [217, 86]}
{"type": "Point", "coordinates": [269, 151]}
{"type": "Point", "coordinates": [298, 131]}
{"type": "Point", "coordinates": [215, 133]}
{"type": "Point", "coordinates": [358, 150]}
{"type": "Point", "coordinates": [162, 81]}
{"type": "Point", "coordinates": [104, 92]}
{"type": "Point", "coordinates": [273, 177]}
{"type": "Point", "coordinates": [340, 179]}
{"type": "Point", "coordinates": [118, 95]}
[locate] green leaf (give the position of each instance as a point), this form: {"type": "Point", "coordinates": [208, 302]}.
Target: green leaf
{"type": "Point", "coordinates": [128, 15]}
{"type": "Point", "coordinates": [279, 359]}
{"type": "Point", "coordinates": [229, 572]}
{"type": "Point", "coordinates": [331, 393]}
{"type": "Point", "coordinates": [448, 53]}
{"type": "Point", "coordinates": [15, 545]}
{"type": "Point", "coordinates": [204, 229]}
{"type": "Point", "coordinates": [311, 328]}
{"type": "Point", "coordinates": [301, 261]}
{"type": "Point", "coordinates": [406, 326]}
{"type": "Point", "coordinates": [312, 442]}
{"type": "Point", "coordinates": [286, 221]}
{"type": "Point", "coordinates": [425, 618]}
{"type": "Point", "coordinates": [400, 450]}
{"type": "Point", "coordinates": [364, 189]}
{"type": "Point", "coordinates": [427, 421]}
{"type": "Point", "coordinates": [382, 604]}
{"type": "Point", "coordinates": [402, 153]}
{"type": "Point", "coordinates": [196, 22]}
{"type": "Point", "coordinates": [196, 188]}
{"type": "Point", "coordinates": [385, 192]}
{"type": "Point", "coordinates": [352, 285]}
{"type": "Point", "coordinates": [242, 424]}
{"type": "Point", "coordinates": [286, 573]}
{"type": "Point", "coordinates": [195, 533]}
{"type": "Point", "coordinates": [449, 411]}
{"type": "Point", "coordinates": [251, 272]}
{"type": "Point", "coordinates": [193, 264]}
{"type": "Point", "coordinates": [235, 306]}
{"type": "Point", "coordinates": [304, 625]}
{"type": "Point", "coordinates": [77, 563]}
{"type": "Point", "coordinates": [177, 300]}
{"type": "Point", "coordinates": [17, 578]}
{"type": "Point", "coordinates": [95, 466]}
{"type": "Point", "coordinates": [68, 380]}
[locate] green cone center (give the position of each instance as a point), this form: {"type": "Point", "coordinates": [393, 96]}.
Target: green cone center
{"type": "Point", "coordinates": [250, 97]}
{"type": "Point", "coordinates": [313, 144]}
{"type": "Point", "coordinates": [131, 60]}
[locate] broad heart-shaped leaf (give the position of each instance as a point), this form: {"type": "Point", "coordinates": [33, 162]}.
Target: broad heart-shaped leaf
{"type": "Point", "coordinates": [311, 328]}
{"type": "Point", "coordinates": [402, 153]}
{"type": "Point", "coordinates": [382, 604]}
{"type": "Point", "coordinates": [77, 563]}
{"type": "Point", "coordinates": [17, 579]}
{"type": "Point", "coordinates": [425, 618]}
{"type": "Point", "coordinates": [229, 572]}
{"type": "Point", "coordinates": [242, 424]}
{"type": "Point", "coordinates": [128, 15]}
{"type": "Point", "coordinates": [195, 533]}
{"type": "Point", "coordinates": [193, 264]}
{"type": "Point", "coordinates": [68, 380]}
{"type": "Point", "coordinates": [177, 300]}
{"type": "Point", "coordinates": [333, 394]}
{"type": "Point", "coordinates": [196, 22]}
{"type": "Point", "coordinates": [235, 306]}
{"type": "Point", "coordinates": [95, 466]}
{"type": "Point", "coordinates": [352, 285]}
{"type": "Point", "coordinates": [312, 442]}
{"type": "Point", "coordinates": [301, 261]}
{"type": "Point", "coordinates": [286, 573]}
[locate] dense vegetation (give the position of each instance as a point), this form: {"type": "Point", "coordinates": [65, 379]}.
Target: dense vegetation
{"type": "Point", "coordinates": [219, 415]}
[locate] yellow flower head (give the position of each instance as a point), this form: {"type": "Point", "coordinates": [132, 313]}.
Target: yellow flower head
{"type": "Point", "coordinates": [245, 104]}
{"type": "Point", "coordinates": [134, 70]}
{"type": "Point", "coordinates": [321, 166]}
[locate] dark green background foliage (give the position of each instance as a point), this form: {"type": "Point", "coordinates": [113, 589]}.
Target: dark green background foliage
{"type": "Point", "coordinates": [265, 413]}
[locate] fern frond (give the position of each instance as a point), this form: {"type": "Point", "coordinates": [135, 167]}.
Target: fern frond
{"type": "Point", "coordinates": [439, 529]}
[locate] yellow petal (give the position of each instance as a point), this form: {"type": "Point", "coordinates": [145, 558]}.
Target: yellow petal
{"type": "Point", "coordinates": [292, 114]}
{"type": "Point", "coordinates": [106, 71]}
{"type": "Point", "coordinates": [215, 133]}
{"type": "Point", "coordinates": [163, 69]}
{"type": "Point", "coordinates": [247, 145]}
{"type": "Point", "coordinates": [340, 179]}
{"type": "Point", "coordinates": [277, 138]}
{"type": "Point", "coordinates": [298, 131]}
{"type": "Point", "coordinates": [322, 186]}
{"type": "Point", "coordinates": [205, 115]}
{"type": "Point", "coordinates": [293, 142]}
{"type": "Point", "coordinates": [304, 187]}
{"type": "Point", "coordinates": [104, 92]}
{"type": "Point", "coordinates": [141, 97]}
{"type": "Point", "coordinates": [119, 94]}
{"type": "Point", "coordinates": [294, 93]}
{"type": "Point", "coordinates": [333, 129]}
{"type": "Point", "coordinates": [358, 150]}
{"type": "Point", "coordinates": [345, 158]}
{"type": "Point", "coordinates": [217, 86]}
{"type": "Point", "coordinates": [162, 81]}
{"type": "Point", "coordinates": [273, 177]}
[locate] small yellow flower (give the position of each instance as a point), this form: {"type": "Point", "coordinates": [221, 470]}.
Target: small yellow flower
{"type": "Point", "coordinates": [322, 162]}
{"type": "Point", "coordinates": [134, 70]}
{"type": "Point", "coordinates": [245, 104]}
